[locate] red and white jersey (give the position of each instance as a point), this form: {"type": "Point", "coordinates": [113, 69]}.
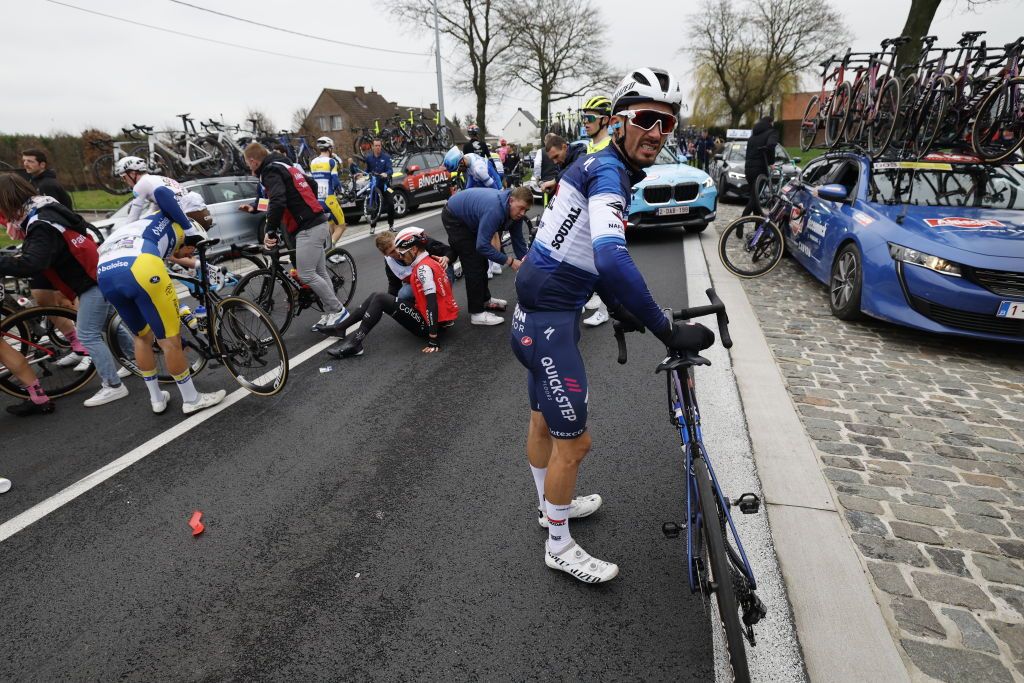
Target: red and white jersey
{"type": "Point", "coordinates": [428, 277]}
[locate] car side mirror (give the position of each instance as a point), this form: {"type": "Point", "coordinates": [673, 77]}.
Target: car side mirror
{"type": "Point", "coordinates": [412, 169]}
{"type": "Point", "coordinates": [833, 192]}
{"type": "Point", "coordinates": [718, 157]}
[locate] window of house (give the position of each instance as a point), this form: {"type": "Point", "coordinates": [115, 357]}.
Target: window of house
{"type": "Point", "coordinates": [337, 123]}
{"type": "Point", "coordinates": [321, 122]}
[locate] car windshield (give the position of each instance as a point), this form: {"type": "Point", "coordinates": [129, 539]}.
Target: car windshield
{"type": "Point", "coordinates": [983, 187]}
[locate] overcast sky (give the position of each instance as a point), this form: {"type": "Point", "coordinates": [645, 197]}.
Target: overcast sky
{"type": "Point", "coordinates": [81, 70]}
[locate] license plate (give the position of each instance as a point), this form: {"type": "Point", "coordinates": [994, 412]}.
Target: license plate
{"type": "Point", "coordinates": [673, 210]}
{"type": "Point", "coordinates": [1011, 309]}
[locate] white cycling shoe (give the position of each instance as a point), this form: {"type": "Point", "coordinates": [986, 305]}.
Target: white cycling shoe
{"type": "Point", "coordinates": [584, 506]}
{"type": "Point", "coordinates": [485, 318]}
{"type": "Point", "coordinates": [160, 406]}
{"type": "Point", "coordinates": [576, 561]}
{"type": "Point", "coordinates": [600, 317]}
{"type": "Point", "coordinates": [205, 401]}
{"type": "Point", "coordinates": [593, 303]}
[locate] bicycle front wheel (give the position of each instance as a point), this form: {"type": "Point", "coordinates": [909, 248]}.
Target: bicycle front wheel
{"type": "Point", "coordinates": [712, 529]}
{"type": "Point", "coordinates": [121, 342]}
{"type": "Point", "coordinates": [103, 174]}
{"type": "Point", "coordinates": [444, 137]}
{"type": "Point", "coordinates": [272, 292]}
{"type": "Point", "coordinates": [250, 346]}
{"type": "Point", "coordinates": [35, 334]}
{"type": "Point", "coordinates": [421, 136]}
{"type": "Point", "coordinates": [809, 124]}
{"type": "Point", "coordinates": [750, 246]}
{"type": "Point", "coordinates": [765, 191]}
{"type": "Point", "coordinates": [838, 114]}
{"type": "Point", "coordinates": [997, 129]}
{"type": "Point", "coordinates": [342, 268]}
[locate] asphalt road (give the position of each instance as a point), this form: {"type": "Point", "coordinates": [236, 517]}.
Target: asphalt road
{"type": "Point", "coordinates": [375, 521]}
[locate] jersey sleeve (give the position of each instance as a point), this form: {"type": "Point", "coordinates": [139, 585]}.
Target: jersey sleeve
{"type": "Point", "coordinates": [168, 203]}
{"type": "Point", "coordinates": [143, 195]}
{"type": "Point", "coordinates": [479, 170]}
{"type": "Point", "coordinates": [607, 205]}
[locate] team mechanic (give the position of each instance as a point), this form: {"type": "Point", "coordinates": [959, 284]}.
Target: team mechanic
{"type": "Point", "coordinates": [581, 247]}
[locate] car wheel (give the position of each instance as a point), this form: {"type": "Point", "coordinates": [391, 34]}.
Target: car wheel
{"type": "Point", "coordinates": [723, 188]}
{"type": "Point", "coordinates": [695, 229]}
{"type": "Point", "coordinates": [401, 202]}
{"type": "Point", "coordinates": [845, 283]}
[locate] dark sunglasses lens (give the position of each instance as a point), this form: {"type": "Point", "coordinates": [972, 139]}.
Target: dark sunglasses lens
{"type": "Point", "coordinates": [646, 120]}
{"type": "Point", "coordinates": [590, 118]}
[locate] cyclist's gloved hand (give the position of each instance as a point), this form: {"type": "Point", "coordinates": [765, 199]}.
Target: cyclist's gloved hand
{"type": "Point", "coordinates": [687, 337]}
{"type": "Point", "coordinates": [627, 322]}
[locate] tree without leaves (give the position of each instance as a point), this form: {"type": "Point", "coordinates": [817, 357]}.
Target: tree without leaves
{"type": "Point", "coordinates": [299, 117]}
{"type": "Point", "coordinates": [549, 54]}
{"type": "Point", "coordinates": [263, 122]}
{"type": "Point", "coordinates": [919, 20]}
{"type": "Point", "coordinates": [479, 36]}
{"type": "Point", "coordinates": [753, 51]}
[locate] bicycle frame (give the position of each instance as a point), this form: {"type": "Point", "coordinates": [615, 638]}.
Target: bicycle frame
{"type": "Point", "coordinates": [686, 418]}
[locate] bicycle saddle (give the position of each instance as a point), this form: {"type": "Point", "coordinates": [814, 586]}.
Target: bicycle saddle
{"type": "Point", "coordinates": [686, 359]}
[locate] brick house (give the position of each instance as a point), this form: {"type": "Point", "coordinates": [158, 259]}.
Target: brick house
{"type": "Point", "coordinates": [792, 112]}
{"type": "Point", "coordinates": [337, 112]}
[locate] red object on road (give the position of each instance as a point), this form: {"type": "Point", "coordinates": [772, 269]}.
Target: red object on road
{"type": "Point", "coordinates": [197, 526]}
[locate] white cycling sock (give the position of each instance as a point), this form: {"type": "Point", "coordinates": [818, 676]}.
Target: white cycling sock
{"type": "Point", "coordinates": [538, 479]}
{"type": "Point", "coordinates": [186, 387]}
{"type": "Point", "coordinates": [155, 395]}
{"type": "Point", "coordinates": [558, 526]}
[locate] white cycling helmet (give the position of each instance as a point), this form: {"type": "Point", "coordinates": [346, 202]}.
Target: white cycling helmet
{"type": "Point", "coordinates": [324, 143]}
{"type": "Point", "coordinates": [452, 159]}
{"type": "Point", "coordinates": [647, 84]}
{"type": "Point", "coordinates": [194, 234]}
{"type": "Point", "coordinates": [130, 164]}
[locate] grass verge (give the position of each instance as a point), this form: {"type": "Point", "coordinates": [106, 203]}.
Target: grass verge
{"type": "Point", "coordinates": [98, 200]}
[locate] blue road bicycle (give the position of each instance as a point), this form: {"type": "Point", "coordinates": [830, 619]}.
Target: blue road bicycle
{"type": "Point", "coordinates": [372, 195]}
{"type": "Point", "coordinates": [716, 562]}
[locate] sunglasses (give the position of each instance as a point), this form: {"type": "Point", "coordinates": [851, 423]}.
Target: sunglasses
{"type": "Point", "coordinates": [648, 118]}
{"type": "Point", "coordinates": [591, 118]}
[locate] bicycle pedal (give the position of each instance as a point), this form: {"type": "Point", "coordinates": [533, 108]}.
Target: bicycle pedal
{"type": "Point", "coordinates": [671, 529]}
{"type": "Point", "coordinates": [748, 503]}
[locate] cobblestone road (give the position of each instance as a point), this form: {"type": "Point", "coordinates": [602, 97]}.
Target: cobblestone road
{"type": "Point", "coordinates": [922, 440]}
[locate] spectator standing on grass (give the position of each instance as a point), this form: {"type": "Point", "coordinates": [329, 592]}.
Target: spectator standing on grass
{"type": "Point", "coordinates": [703, 148]}
{"type": "Point", "coordinates": [43, 178]}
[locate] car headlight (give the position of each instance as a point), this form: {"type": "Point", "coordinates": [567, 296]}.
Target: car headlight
{"type": "Point", "coordinates": [919, 258]}
{"type": "Point", "coordinates": [736, 176]}
{"type": "Point", "coordinates": [708, 183]}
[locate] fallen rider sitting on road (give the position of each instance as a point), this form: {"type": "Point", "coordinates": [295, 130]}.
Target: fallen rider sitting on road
{"type": "Point", "coordinates": [398, 273]}
{"type": "Point", "coordinates": [433, 307]}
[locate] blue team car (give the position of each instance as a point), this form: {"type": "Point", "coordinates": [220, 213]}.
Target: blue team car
{"type": "Point", "coordinates": [673, 194]}
{"type": "Point", "coordinates": [936, 244]}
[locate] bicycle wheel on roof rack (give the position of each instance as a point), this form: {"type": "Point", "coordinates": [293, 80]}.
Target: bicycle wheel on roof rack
{"type": "Point", "coordinates": [999, 125]}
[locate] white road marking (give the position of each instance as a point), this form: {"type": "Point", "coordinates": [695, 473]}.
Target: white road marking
{"type": "Point", "coordinates": [58, 500]}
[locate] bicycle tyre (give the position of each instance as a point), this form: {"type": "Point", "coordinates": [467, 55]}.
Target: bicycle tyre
{"type": "Point", "coordinates": [763, 190]}
{"type": "Point", "coordinates": [421, 135]}
{"type": "Point", "coordinates": [881, 130]}
{"type": "Point", "coordinates": [342, 268]}
{"type": "Point", "coordinates": [934, 116]}
{"type": "Point", "coordinates": [809, 124]}
{"type": "Point", "coordinates": [857, 115]}
{"type": "Point", "coordinates": [273, 292]}
{"type": "Point", "coordinates": [444, 137]}
{"type": "Point", "coordinates": [217, 160]}
{"type": "Point", "coordinates": [32, 334]}
{"type": "Point", "coordinates": [245, 346]}
{"type": "Point", "coordinates": [126, 357]}
{"type": "Point", "coordinates": [838, 112]}
{"type": "Point", "coordinates": [735, 241]}
{"type": "Point", "coordinates": [712, 528]}
{"type": "Point", "coordinates": [103, 174]}
{"type": "Point", "coordinates": [983, 132]}
{"type": "Point", "coordinates": [362, 145]}
{"type": "Point", "coordinates": [372, 213]}
{"type": "Point", "coordinates": [910, 90]}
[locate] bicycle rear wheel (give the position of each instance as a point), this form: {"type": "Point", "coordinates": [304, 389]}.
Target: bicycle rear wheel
{"type": "Point", "coordinates": [838, 114]}
{"type": "Point", "coordinates": [996, 133]}
{"type": "Point", "coordinates": [121, 342]}
{"type": "Point", "coordinates": [273, 292]}
{"type": "Point", "coordinates": [342, 268]}
{"type": "Point", "coordinates": [765, 191]}
{"type": "Point", "coordinates": [372, 204]}
{"type": "Point", "coordinates": [444, 137]}
{"type": "Point", "coordinates": [712, 529]}
{"type": "Point", "coordinates": [750, 246]}
{"type": "Point", "coordinates": [421, 136]}
{"type": "Point", "coordinates": [881, 129]}
{"type": "Point", "coordinates": [930, 123]}
{"type": "Point", "coordinates": [252, 349]}
{"type": "Point", "coordinates": [103, 174]}
{"type": "Point", "coordinates": [809, 124]}
{"type": "Point", "coordinates": [33, 333]}
{"type": "Point", "coordinates": [858, 113]}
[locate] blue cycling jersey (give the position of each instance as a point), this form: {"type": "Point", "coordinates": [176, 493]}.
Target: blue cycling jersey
{"type": "Point", "coordinates": [580, 246]}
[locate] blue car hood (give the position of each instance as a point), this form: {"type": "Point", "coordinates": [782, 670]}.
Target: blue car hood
{"type": "Point", "coordinates": [989, 232]}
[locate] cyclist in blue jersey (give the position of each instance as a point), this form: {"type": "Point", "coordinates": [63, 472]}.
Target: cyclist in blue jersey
{"type": "Point", "coordinates": [580, 248]}
{"type": "Point", "coordinates": [378, 164]}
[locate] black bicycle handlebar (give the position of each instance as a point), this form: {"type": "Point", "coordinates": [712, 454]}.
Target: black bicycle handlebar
{"type": "Point", "coordinates": [716, 307]}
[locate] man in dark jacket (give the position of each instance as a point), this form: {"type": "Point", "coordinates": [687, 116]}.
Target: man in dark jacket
{"type": "Point", "coordinates": [294, 204]}
{"type": "Point", "coordinates": [563, 155]}
{"type": "Point", "coordinates": [760, 155]}
{"type": "Point", "coordinates": [704, 149]}
{"type": "Point", "coordinates": [44, 179]}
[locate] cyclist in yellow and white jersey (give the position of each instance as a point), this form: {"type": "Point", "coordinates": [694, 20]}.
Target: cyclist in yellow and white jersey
{"type": "Point", "coordinates": [132, 276]}
{"type": "Point", "coordinates": [324, 170]}
{"type": "Point", "coordinates": [596, 113]}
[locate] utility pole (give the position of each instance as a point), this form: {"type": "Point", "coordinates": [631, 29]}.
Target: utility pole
{"type": "Point", "coordinates": [437, 61]}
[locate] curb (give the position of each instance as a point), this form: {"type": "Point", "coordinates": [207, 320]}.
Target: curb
{"type": "Point", "coordinates": [843, 635]}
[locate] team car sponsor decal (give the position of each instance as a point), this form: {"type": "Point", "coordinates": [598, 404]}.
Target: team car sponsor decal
{"type": "Point", "coordinates": [796, 225]}
{"type": "Point", "coordinates": [816, 227]}
{"type": "Point", "coordinates": [918, 165]}
{"type": "Point", "coordinates": [429, 179]}
{"type": "Point", "coordinates": [953, 158]}
{"type": "Point", "coordinates": [863, 218]}
{"type": "Point", "coordinates": [956, 222]}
